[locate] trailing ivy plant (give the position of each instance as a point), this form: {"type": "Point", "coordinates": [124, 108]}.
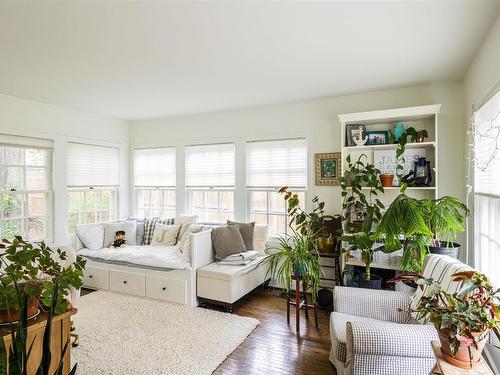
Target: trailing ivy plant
{"type": "Point", "coordinates": [358, 206]}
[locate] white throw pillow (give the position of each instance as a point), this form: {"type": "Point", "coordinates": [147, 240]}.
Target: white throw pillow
{"type": "Point", "coordinates": [186, 222]}
{"type": "Point", "coordinates": [185, 243]}
{"type": "Point", "coordinates": [260, 238]}
{"type": "Point", "coordinates": [165, 235]}
{"type": "Point", "coordinates": [92, 236]}
{"type": "Point", "coordinates": [129, 227]}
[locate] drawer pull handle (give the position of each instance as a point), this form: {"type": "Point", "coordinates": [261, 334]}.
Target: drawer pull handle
{"type": "Point", "coordinates": [91, 276]}
{"type": "Point", "coordinates": [164, 288]}
{"type": "Point", "coordinates": [125, 282]}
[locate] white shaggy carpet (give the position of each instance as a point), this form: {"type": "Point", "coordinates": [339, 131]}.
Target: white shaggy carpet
{"type": "Point", "coordinates": [124, 335]}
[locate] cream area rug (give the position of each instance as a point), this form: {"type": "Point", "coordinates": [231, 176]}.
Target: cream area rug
{"type": "Point", "coordinates": [122, 335]}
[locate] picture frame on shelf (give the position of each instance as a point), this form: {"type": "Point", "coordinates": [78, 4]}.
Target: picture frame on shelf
{"type": "Point", "coordinates": [352, 129]}
{"type": "Point", "coordinates": [378, 137]}
{"type": "Point", "coordinates": [328, 168]}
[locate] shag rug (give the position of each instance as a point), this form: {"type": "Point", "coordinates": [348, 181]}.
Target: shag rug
{"type": "Point", "coordinates": [122, 335]}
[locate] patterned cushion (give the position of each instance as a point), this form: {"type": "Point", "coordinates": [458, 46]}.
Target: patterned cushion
{"type": "Point", "coordinates": [149, 228]}
{"type": "Point", "coordinates": [338, 329]}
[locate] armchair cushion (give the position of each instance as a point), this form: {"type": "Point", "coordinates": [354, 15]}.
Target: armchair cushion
{"type": "Point", "coordinates": [373, 304]}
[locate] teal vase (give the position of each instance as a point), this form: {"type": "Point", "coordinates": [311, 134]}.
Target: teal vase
{"type": "Point", "coordinates": [399, 128]}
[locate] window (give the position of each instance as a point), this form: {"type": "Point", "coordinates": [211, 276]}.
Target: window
{"type": "Point", "coordinates": [93, 181]}
{"type": "Point", "coordinates": [270, 166]}
{"type": "Point", "coordinates": [487, 189]}
{"type": "Point", "coordinates": [154, 182]}
{"type": "Point", "coordinates": [26, 188]}
{"type": "Point", "coordinates": [210, 176]}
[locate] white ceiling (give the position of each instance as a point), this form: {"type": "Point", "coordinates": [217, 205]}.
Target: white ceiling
{"type": "Point", "coordinates": [150, 59]}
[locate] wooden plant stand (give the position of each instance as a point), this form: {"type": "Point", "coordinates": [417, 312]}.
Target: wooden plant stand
{"type": "Point", "coordinates": [300, 302]}
{"type": "Point", "coordinates": [444, 368]}
{"type": "Point", "coordinates": [60, 336]}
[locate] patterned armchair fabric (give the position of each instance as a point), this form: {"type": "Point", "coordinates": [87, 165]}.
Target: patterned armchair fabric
{"type": "Point", "coordinates": [370, 336]}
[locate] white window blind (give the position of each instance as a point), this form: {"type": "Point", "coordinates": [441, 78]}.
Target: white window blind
{"type": "Point", "coordinates": [27, 142]}
{"type": "Point", "coordinates": [210, 166]}
{"type": "Point", "coordinates": [277, 163]}
{"type": "Point", "coordinates": [91, 165]}
{"type": "Point", "coordinates": [487, 189]}
{"type": "Point", "coordinates": [154, 167]}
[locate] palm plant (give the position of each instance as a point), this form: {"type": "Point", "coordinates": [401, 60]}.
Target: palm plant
{"type": "Point", "coordinates": [297, 255]}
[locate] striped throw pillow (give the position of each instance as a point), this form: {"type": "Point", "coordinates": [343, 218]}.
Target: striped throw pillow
{"type": "Point", "coordinates": [149, 228]}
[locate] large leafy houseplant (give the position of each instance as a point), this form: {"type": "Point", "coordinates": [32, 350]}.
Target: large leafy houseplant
{"type": "Point", "coordinates": [463, 319]}
{"type": "Point", "coordinates": [417, 225]}
{"type": "Point", "coordinates": [34, 272]}
{"type": "Point", "coordinates": [297, 254]}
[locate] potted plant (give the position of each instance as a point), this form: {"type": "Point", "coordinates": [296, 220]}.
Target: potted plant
{"type": "Point", "coordinates": [33, 273]}
{"type": "Point", "coordinates": [463, 319]}
{"type": "Point", "coordinates": [297, 254]}
{"type": "Point", "coordinates": [365, 241]}
{"type": "Point", "coordinates": [421, 135]}
{"type": "Point", "coordinates": [445, 217]}
{"type": "Point", "coordinates": [386, 179]}
{"type": "Point", "coordinates": [360, 210]}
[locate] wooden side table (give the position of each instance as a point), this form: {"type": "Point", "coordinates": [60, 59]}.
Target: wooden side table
{"type": "Point", "coordinates": [300, 302]}
{"type": "Point", "coordinates": [444, 368]}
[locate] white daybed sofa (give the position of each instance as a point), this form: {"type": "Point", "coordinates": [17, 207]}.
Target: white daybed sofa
{"type": "Point", "coordinates": [224, 285]}
{"type": "Point", "coordinates": [158, 272]}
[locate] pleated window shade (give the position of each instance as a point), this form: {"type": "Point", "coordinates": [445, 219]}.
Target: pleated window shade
{"type": "Point", "coordinates": [154, 167]}
{"type": "Point", "coordinates": [93, 166]}
{"type": "Point", "coordinates": [277, 163]}
{"type": "Point", "coordinates": [210, 166]}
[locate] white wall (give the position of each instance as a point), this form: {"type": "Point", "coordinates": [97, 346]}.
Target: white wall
{"type": "Point", "coordinates": [318, 121]}
{"type": "Point", "coordinates": [34, 119]}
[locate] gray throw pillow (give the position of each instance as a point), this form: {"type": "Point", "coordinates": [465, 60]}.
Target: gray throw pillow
{"type": "Point", "coordinates": [246, 230]}
{"type": "Point", "coordinates": [227, 241]}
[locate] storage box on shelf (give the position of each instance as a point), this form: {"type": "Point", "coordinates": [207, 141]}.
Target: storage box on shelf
{"type": "Point", "coordinates": [384, 155]}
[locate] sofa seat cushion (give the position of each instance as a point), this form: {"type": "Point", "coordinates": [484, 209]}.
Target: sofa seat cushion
{"type": "Point", "coordinates": [228, 272]}
{"type": "Point", "coordinates": [164, 257]}
{"type": "Point", "coordinates": [338, 335]}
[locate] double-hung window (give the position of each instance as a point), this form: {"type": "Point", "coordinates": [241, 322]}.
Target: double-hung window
{"type": "Point", "coordinates": [154, 182]}
{"type": "Point", "coordinates": [210, 181]}
{"type": "Point", "coordinates": [270, 166]}
{"type": "Point", "coordinates": [26, 188]}
{"type": "Point", "coordinates": [487, 189]}
{"type": "Point", "coordinates": [93, 178]}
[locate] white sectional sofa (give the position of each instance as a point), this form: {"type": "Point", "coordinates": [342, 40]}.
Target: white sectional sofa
{"type": "Point", "coordinates": [225, 284]}
{"type": "Point", "coordinates": [162, 272]}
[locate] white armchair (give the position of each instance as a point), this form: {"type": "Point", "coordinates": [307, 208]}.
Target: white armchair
{"type": "Point", "coordinates": [372, 334]}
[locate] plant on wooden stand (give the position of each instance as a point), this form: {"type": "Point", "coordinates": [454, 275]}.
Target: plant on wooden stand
{"type": "Point", "coordinates": [297, 254]}
{"type": "Point", "coordinates": [33, 272]}
{"type": "Point", "coordinates": [463, 319]}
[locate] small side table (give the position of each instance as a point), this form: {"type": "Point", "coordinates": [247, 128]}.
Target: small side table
{"type": "Point", "coordinates": [300, 302]}
{"type": "Point", "coordinates": [444, 368]}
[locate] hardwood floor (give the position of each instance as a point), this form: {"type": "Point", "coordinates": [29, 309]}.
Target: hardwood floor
{"type": "Point", "coordinates": [274, 347]}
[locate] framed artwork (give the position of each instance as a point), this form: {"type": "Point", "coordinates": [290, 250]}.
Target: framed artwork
{"type": "Point", "coordinates": [328, 169]}
{"type": "Point", "coordinates": [378, 137]}
{"type": "Point", "coordinates": [351, 129]}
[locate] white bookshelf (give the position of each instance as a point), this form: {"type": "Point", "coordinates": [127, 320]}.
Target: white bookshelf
{"type": "Point", "coordinates": [421, 117]}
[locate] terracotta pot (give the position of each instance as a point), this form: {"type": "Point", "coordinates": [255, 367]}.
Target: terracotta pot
{"type": "Point", "coordinates": [462, 358]}
{"type": "Point", "coordinates": [14, 314]}
{"type": "Point", "coordinates": [386, 179]}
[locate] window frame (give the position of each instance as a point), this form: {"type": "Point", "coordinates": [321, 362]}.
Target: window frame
{"type": "Point", "coordinates": [268, 213]}
{"type": "Point", "coordinates": [113, 203]}
{"type": "Point", "coordinates": [48, 192]}
{"type": "Point", "coordinates": [219, 211]}
{"type": "Point", "coordinates": [138, 189]}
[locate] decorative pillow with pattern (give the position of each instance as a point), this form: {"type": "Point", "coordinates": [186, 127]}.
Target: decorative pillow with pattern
{"type": "Point", "coordinates": [165, 235]}
{"type": "Point", "coordinates": [149, 228]}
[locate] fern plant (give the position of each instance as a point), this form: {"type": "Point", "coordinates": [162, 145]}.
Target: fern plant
{"type": "Point", "coordinates": [297, 254]}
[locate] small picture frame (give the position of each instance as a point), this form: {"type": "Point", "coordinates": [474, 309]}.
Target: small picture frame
{"type": "Point", "coordinates": [378, 137]}
{"type": "Point", "coordinates": [328, 169]}
{"type": "Point", "coordinates": [350, 129]}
